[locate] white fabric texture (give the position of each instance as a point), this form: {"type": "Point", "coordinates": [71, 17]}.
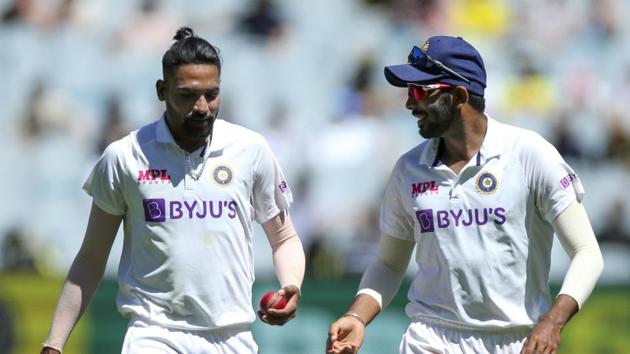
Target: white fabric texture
{"type": "Point", "coordinates": [483, 236]}
{"type": "Point", "coordinates": [188, 243]}
{"type": "Point", "coordinates": [144, 338]}
{"type": "Point", "coordinates": [433, 337]}
{"type": "Point", "coordinates": [578, 240]}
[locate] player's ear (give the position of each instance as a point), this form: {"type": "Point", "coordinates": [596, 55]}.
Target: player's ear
{"type": "Point", "coordinates": [160, 88]}
{"type": "Point", "coordinates": [460, 95]}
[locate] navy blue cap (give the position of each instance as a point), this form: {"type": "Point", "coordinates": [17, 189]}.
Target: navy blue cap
{"type": "Point", "coordinates": [453, 53]}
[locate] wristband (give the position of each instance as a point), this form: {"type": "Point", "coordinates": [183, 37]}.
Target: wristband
{"type": "Point", "coordinates": [357, 316]}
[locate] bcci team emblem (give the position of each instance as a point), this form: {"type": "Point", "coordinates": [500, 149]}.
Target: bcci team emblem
{"type": "Point", "coordinates": [425, 46]}
{"type": "Point", "coordinates": [222, 175]}
{"type": "Point", "coordinates": [487, 183]}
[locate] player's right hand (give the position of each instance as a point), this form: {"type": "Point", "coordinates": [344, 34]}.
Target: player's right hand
{"type": "Point", "coordinates": [280, 317]}
{"type": "Point", "coordinates": [345, 336]}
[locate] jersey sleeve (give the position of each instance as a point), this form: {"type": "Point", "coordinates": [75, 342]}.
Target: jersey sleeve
{"type": "Point", "coordinates": [271, 193]}
{"type": "Point", "coordinates": [554, 183]}
{"type": "Point", "coordinates": [394, 219]}
{"type": "Point", "coordinates": [104, 182]}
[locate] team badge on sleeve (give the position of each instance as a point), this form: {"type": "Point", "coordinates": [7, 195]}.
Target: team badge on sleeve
{"type": "Point", "coordinates": [487, 183]}
{"type": "Point", "coordinates": [222, 175]}
{"type": "Point", "coordinates": [567, 180]}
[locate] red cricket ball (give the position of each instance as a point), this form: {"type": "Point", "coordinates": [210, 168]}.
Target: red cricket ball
{"type": "Point", "coordinates": [272, 299]}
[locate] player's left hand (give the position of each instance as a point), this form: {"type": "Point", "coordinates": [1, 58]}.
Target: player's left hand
{"type": "Point", "coordinates": [280, 317]}
{"type": "Point", "coordinates": [544, 338]}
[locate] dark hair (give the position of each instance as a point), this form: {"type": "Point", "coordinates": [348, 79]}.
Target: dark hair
{"type": "Point", "coordinates": [477, 102]}
{"type": "Point", "coordinates": [189, 49]}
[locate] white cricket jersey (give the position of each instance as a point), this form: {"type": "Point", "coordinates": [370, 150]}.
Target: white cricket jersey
{"type": "Point", "coordinates": [187, 259]}
{"type": "Point", "coordinates": [484, 236]}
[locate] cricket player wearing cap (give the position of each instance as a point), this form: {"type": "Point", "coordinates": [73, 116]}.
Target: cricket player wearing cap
{"type": "Point", "coordinates": [479, 201]}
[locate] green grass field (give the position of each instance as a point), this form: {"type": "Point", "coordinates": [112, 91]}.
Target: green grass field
{"type": "Point", "coordinates": [602, 327]}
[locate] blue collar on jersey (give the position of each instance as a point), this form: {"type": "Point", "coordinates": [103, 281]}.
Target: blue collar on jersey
{"type": "Point", "coordinates": [162, 133]}
{"type": "Point", "coordinates": [490, 148]}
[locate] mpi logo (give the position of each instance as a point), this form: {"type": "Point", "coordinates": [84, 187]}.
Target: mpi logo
{"type": "Point", "coordinates": [159, 210]}
{"type": "Point", "coordinates": [431, 220]}
{"type": "Point", "coordinates": [423, 188]}
{"type": "Point", "coordinates": [153, 176]}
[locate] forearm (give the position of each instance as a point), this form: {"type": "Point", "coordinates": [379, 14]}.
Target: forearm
{"type": "Point", "coordinates": [577, 238]}
{"type": "Point", "coordinates": [84, 276]}
{"type": "Point", "coordinates": [582, 275]}
{"type": "Point", "coordinates": [381, 282]}
{"type": "Point", "coordinates": [288, 253]}
{"type": "Point", "coordinates": [364, 308]}
{"type": "Point", "coordinates": [562, 310]}
{"type": "Point", "coordinates": [384, 275]}
{"type": "Point", "coordinates": [76, 294]}
{"type": "Point", "coordinates": [289, 262]}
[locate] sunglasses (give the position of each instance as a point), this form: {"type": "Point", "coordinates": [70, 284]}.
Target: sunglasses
{"type": "Point", "coordinates": [420, 92]}
{"type": "Point", "coordinates": [419, 58]}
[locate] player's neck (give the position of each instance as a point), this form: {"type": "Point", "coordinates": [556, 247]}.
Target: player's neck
{"type": "Point", "coordinates": [464, 143]}
{"type": "Point", "coordinates": [191, 145]}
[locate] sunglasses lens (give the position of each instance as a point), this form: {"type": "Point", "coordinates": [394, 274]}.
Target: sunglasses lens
{"type": "Point", "coordinates": [417, 93]}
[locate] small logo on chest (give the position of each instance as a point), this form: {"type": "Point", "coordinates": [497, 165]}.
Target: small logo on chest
{"type": "Point", "coordinates": [487, 183]}
{"type": "Point", "coordinates": [423, 188]}
{"type": "Point", "coordinates": [153, 176]}
{"type": "Point", "coordinates": [222, 175]}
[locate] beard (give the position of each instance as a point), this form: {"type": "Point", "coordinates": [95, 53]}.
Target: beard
{"type": "Point", "coordinates": [199, 126]}
{"type": "Point", "coordinates": [439, 119]}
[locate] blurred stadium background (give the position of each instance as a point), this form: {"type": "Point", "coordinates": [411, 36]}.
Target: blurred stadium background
{"type": "Point", "coordinates": [308, 75]}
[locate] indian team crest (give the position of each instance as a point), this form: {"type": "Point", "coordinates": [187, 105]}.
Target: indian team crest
{"type": "Point", "coordinates": [222, 175]}
{"type": "Point", "coordinates": [425, 46]}
{"type": "Point", "coordinates": [487, 183]}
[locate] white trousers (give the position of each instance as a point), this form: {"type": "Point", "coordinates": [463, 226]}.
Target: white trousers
{"type": "Point", "coordinates": [144, 338]}
{"type": "Point", "coordinates": [428, 336]}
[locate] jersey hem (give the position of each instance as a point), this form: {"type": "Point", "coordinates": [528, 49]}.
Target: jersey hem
{"type": "Point", "coordinates": [221, 332]}
{"type": "Point", "coordinates": [468, 327]}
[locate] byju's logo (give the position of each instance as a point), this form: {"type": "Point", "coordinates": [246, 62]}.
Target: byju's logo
{"type": "Point", "coordinates": [567, 180]}
{"type": "Point", "coordinates": [153, 176]}
{"type": "Point", "coordinates": [154, 210]}
{"type": "Point", "coordinates": [441, 219]}
{"type": "Point", "coordinates": [425, 218]}
{"type": "Point", "coordinates": [158, 209]}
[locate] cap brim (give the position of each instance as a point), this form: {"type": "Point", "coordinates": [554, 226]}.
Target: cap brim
{"type": "Point", "coordinates": [401, 75]}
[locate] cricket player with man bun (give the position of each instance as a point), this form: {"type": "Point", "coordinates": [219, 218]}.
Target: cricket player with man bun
{"type": "Point", "coordinates": [189, 187]}
{"type": "Point", "coordinates": [480, 202]}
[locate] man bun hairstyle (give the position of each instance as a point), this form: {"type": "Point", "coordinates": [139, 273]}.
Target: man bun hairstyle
{"type": "Point", "coordinates": [189, 49]}
{"type": "Point", "coordinates": [183, 32]}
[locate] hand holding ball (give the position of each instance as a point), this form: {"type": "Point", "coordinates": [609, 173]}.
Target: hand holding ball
{"type": "Point", "coordinates": [272, 300]}
{"type": "Point", "coordinates": [279, 307]}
